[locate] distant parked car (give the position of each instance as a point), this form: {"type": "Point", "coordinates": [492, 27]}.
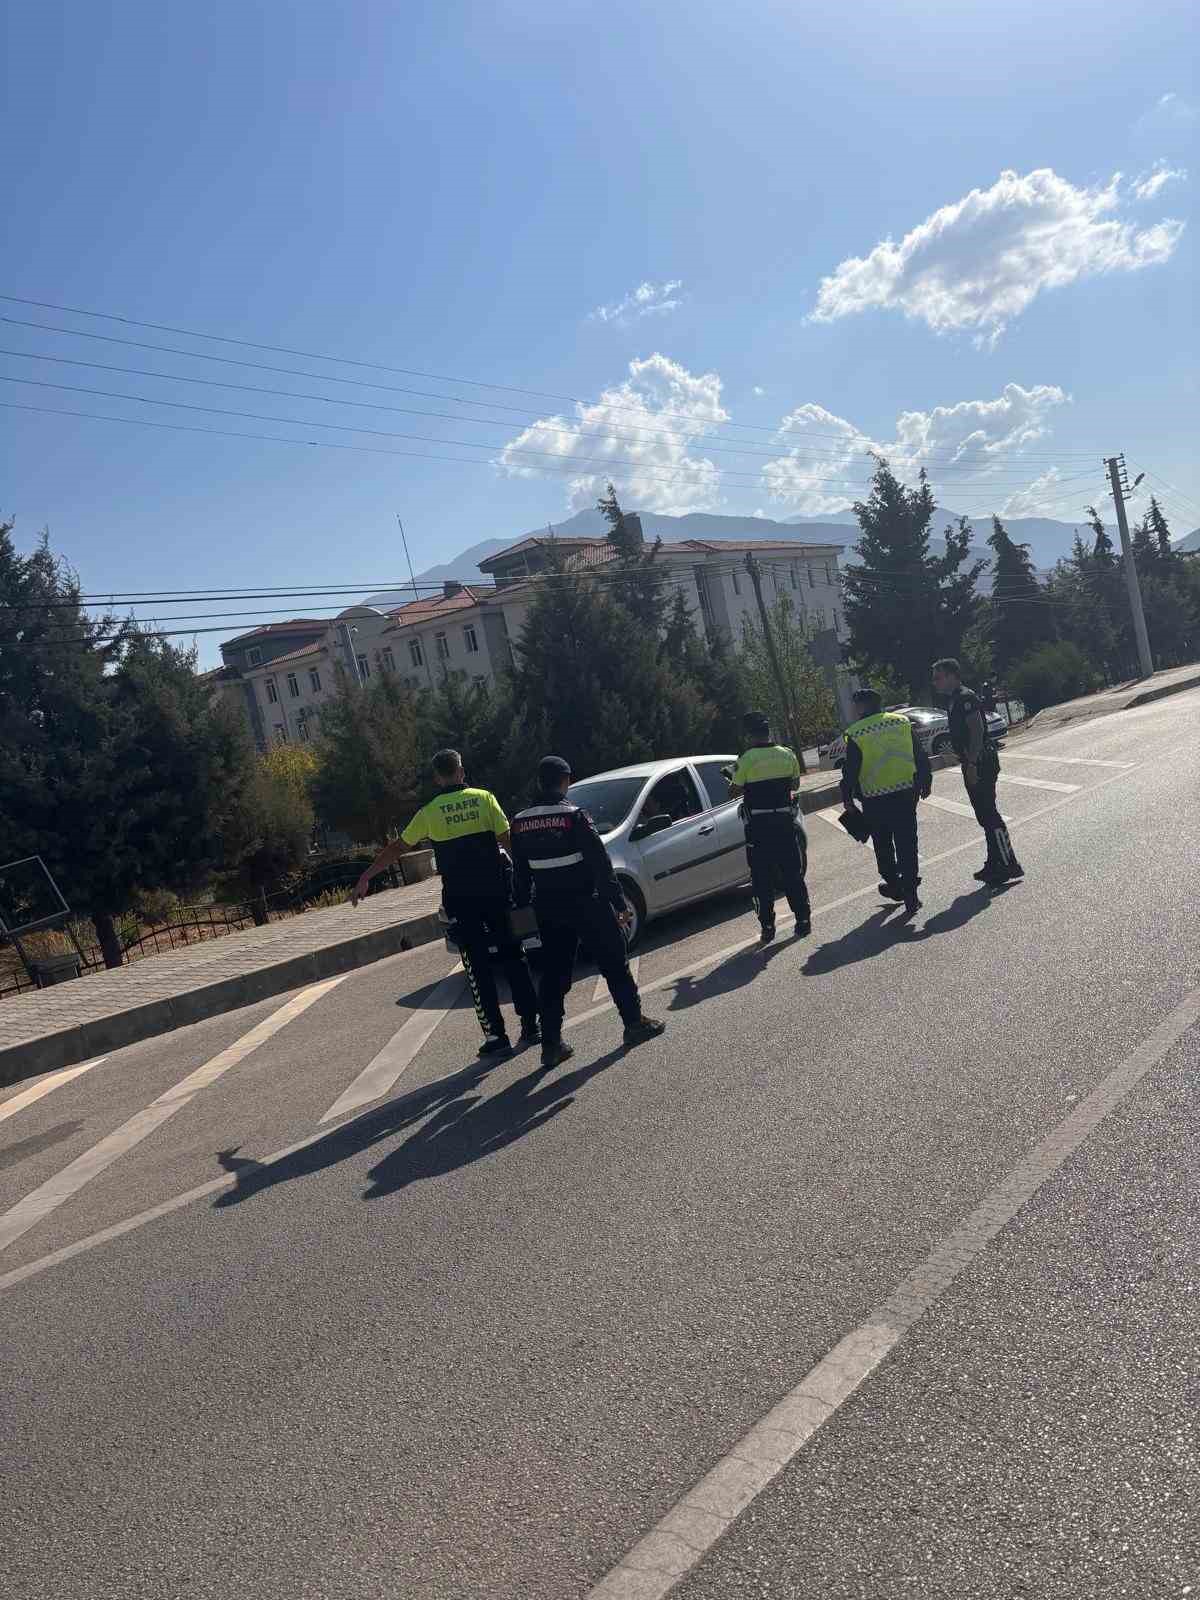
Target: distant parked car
{"type": "Point", "coordinates": [930, 726]}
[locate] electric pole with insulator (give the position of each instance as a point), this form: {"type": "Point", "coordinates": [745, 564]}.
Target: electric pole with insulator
{"type": "Point", "coordinates": [1120, 493]}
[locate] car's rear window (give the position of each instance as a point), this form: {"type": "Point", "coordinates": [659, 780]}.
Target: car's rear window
{"type": "Point", "coordinates": [608, 801]}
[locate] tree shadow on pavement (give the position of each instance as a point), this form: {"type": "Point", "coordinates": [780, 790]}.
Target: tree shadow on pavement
{"type": "Point", "coordinates": [733, 973]}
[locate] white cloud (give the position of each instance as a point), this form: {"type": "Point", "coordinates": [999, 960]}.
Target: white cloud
{"type": "Point", "coordinates": [647, 300]}
{"type": "Point", "coordinates": [978, 263]}
{"type": "Point", "coordinates": [1035, 498]}
{"type": "Point", "coordinates": [646, 426]}
{"type": "Point", "coordinates": [827, 456]}
{"type": "Point", "coordinates": [1166, 125]}
{"type": "Point", "coordinates": [759, 390]}
{"type": "Point", "coordinates": [1148, 185]}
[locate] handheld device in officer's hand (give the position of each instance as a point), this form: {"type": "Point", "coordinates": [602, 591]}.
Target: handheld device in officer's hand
{"type": "Point", "coordinates": [855, 824]}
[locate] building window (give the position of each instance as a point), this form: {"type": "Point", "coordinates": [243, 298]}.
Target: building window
{"type": "Point", "coordinates": [415, 654]}
{"type": "Point", "coordinates": [837, 622]}
{"type": "Point", "coordinates": [272, 693]}
{"type": "Point", "coordinates": [812, 582]}
{"type": "Point", "coordinates": [737, 582]}
{"type": "Point", "coordinates": [280, 733]}
{"type": "Point", "coordinates": [828, 575]}
{"type": "Point", "coordinates": [314, 680]}
{"type": "Point", "coordinates": [819, 617]}
{"type": "Point", "coordinates": [479, 679]}
{"type": "Point", "coordinates": [470, 639]}
{"type": "Point", "coordinates": [442, 646]}
{"type": "Point", "coordinates": [254, 657]}
{"type": "Point", "coordinates": [775, 578]}
{"type": "Point", "coordinates": [293, 686]}
{"type": "Point", "coordinates": [795, 575]}
{"type": "Point", "coordinates": [364, 668]}
{"type": "Point", "coordinates": [302, 730]}
{"type": "Point", "coordinates": [389, 659]}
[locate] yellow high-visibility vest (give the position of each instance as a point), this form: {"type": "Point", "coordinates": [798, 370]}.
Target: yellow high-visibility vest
{"type": "Point", "coordinates": [889, 763]}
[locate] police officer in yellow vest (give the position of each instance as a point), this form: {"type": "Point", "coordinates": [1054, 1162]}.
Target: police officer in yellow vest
{"type": "Point", "coordinates": [767, 775]}
{"type": "Point", "coordinates": [887, 768]}
{"type": "Point", "coordinates": [467, 828]}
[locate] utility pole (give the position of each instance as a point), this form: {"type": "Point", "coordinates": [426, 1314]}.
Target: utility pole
{"type": "Point", "coordinates": [1120, 489]}
{"type": "Point", "coordinates": [785, 698]}
{"type": "Point", "coordinates": [352, 653]}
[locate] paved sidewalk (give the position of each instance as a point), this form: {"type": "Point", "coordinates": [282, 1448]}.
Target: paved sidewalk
{"type": "Point", "coordinates": [50, 1028]}
{"type": "Point", "coordinates": [1123, 697]}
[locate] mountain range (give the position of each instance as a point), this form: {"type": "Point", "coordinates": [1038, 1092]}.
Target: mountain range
{"type": "Point", "coordinates": [1048, 540]}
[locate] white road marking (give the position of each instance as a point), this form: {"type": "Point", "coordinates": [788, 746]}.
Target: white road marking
{"type": "Point", "coordinates": [831, 815]}
{"type": "Point", "coordinates": [707, 1512]}
{"type": "Point", "coordinates": [1068, 761]}
{"type": "Point", "coordinates": [375, 1080]}
{"type": "Point", "coordinates": [38, 1091]}
{"type": "Point", "coordinates": [601, 988]}
{"type": "Point", "coordinates": [34, 1269]}
{"type": "Point", "coordinates": [48, 1196]}
{"type": "Point", "coordinates": [1039, 783]}
{"type": "Point", "coordinates": [957, 808]}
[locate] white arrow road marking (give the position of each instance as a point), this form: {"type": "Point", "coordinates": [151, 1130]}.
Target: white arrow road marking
{"type": "Point", "coordinates": [48, 1196]}
{"type": "Point", "coordinates": [601, 988]}
{"type": "Point", "coordinates": [378, 1076]}
{"type": "Point", "coordinates": [1039, 783]}
{"type": "Point", "coordinates": [38, 1091]}
{"type": "Point", "coordinates": [1068, 761]}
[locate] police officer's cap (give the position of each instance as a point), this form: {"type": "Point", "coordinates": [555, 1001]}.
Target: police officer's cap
{"type": "Point", "coordinates": [756, 724]}
{"type": "Point", "coordinates": [552, 770]}
{"type": "Point", "coordinates": [865, 697]}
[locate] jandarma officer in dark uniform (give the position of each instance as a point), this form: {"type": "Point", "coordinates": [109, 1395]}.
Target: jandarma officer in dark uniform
{"type": "Point", "coordinates": [767, 776]}
{"type": "Point", "coordinates": [561, 865]}
{"type": "Point", "coordinates": [980, 768]}
{"type": "Point", "coordinates": [887, 768]}
{"type": "Point", "coordinates": [467, 829]}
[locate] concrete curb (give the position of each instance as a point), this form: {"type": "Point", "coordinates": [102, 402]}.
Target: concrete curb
{"type": "Point", "coordinates": [148, 1018]}
{"type": "Point", "coordinates": [1052, 716]}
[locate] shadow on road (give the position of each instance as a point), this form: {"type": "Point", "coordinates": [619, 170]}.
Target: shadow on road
{"type": "Point", "coordinates": [881, 930]}
{"type": "Point", "coordinates": [958, 913]}
{"type": "Point", "coordinates": [462, 1127]}
{"type": "Point", "coordinates": [733, 973]}
{"type": "Point", "coordinates": [13, 1153]}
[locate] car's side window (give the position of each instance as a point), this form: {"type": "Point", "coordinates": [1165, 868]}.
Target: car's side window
{"type": "Point", "coordinates": [714, 781]}
{"type": "Point", "coordinates": [676, 796]}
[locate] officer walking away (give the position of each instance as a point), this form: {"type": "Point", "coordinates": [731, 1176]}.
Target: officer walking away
{"type": "Point", "coordinates": [561, 865]}
{"type": "Point", "coordinates": [767, 776]}
{"type": "Point", "coordinates": [980, 768]}
{"type": "Point", "coordinates": [468, 830]}
{"type": "Point", "coordinates": [887, 768]}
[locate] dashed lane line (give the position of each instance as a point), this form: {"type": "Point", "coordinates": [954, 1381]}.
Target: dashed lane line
{"type": "Point", "coordinates": [1068, 761]}
{"type": "Point", "coordinates": [48, 1196]}
{"type": "Point", "coordinates": [33, 1269]}
{"type": "Point", "coordinates": [708, 1511]}
{"type": "Point", "coordinates": [379, 1075]}
{"type": "Point", "coordinates": [1039, 783]}
{"type": "Point", "coordinates": [39, 1091]}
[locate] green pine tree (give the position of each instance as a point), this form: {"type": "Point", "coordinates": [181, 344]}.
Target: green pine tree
{"type": "Point", "coordinates": [1021, 615]}
{"type": "Point", "coordinates": [636, 572]}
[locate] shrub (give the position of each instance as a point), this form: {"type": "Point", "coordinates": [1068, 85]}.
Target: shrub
{"type": "Point", "coordinates": [1051, 674]}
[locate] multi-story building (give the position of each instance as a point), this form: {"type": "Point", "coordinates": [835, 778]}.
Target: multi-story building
{"type": "Point", "coordinates": [285, 672]}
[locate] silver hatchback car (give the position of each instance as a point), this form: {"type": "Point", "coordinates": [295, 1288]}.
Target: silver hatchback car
{"type": "Point", "coordinates": [671, 830]}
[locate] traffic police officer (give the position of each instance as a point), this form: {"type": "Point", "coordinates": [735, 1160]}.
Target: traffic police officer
{"type": "Point", "coordinates": [887, 768]}
{"type": "Point", "coordinates": [561, 865]}
{"type": "Point", "coordinates": [468, 830]}
{"type": "Point", "coordinates": [980, 768]}
{"type": "Point", "coordinates": [767, 775]}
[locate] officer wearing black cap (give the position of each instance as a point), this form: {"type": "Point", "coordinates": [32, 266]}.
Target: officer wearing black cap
{"type": "Point", "coordinates": [468, 830]}
{"type": "Point", "coordinates": [767, 776]}
{"type": "Point", "coordinates": [980, 762]}
{"type": "Point", "coordinates": [886, 768]}
{"type": "Point", "coordinates": [561, 866]}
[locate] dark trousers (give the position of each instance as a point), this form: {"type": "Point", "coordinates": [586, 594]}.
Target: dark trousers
{"type": "Point", "coordinates": [776, 853]}
{"type": "Point", "coordinates": [481, 925]}
{"type": "Point", "coordinates": [892, 819]}
{"type": "Point", "coordinates": [564, 924]}
{"type": "Point", "coordinates": [982, 795]}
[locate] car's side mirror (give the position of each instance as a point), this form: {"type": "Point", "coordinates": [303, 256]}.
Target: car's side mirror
{"type": "Point", "coordinates": [648, 825]}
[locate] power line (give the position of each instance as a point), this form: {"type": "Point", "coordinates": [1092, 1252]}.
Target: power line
{"type": "Point", "coordinates": [376, 366]}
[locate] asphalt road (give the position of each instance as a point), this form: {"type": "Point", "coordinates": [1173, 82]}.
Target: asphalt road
{"type": "Point", "coordinates": [481, 1333]}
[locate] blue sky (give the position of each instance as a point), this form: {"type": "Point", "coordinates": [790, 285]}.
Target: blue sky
{"type": "Point", "coordinates": [813, 196]}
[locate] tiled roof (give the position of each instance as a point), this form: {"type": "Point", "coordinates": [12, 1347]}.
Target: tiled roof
{"type": "Point", "coordinates": [429, 608]}
{"type": "Point", "coordinates": [296, 625]}
{"type": "Point", "coordinates": [724, 546]}
{"type": "Point", "coordinates": [536, 542]}
{"type": "Point", "coordinates": [317, 648]}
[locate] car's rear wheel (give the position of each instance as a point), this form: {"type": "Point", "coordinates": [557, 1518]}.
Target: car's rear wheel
{"type": "Point", "coordinates": [637, 907]}
{"type": "Point", "coordinates": [943, 745]}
